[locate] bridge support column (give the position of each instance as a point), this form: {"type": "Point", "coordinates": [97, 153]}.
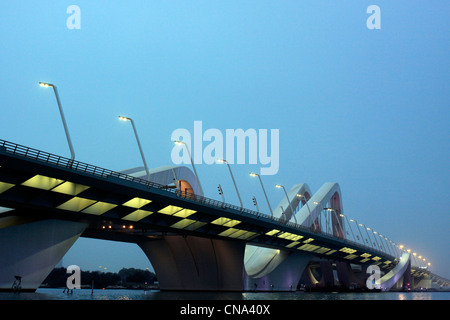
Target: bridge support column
{"type": "Point", "coordinates": [194, 263]}
{"type": "Point", "coordinates": [31, 250]}
{"type": "Point", "coordinates": [327, 280]}
{"type": "Point", "coordinates": [400, 274]}
{"type": "Point", "coordinates": [344, 274]}
{"type": "Point", "coordinates": [285, 277]}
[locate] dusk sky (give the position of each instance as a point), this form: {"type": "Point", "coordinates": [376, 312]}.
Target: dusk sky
{"type": "Point", "coordinates": [367, 108]}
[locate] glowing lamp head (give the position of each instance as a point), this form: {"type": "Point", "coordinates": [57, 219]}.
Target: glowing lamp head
{"type": "Point", "coordinates": [252, 174]}
{"type": "Point", "coordinates": [45, 84]}
{"type": "Point", "coordinates": [124, 118]}
{"type": "Point", "coordinates": [278, 186]}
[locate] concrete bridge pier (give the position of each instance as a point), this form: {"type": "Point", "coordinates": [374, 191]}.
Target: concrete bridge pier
{"type": "Point", "coordinates": [31, 249]}
{"type": "Point", "coordinates": [285, 277]}
{"type": "Point", "coordinates": [196, 264]}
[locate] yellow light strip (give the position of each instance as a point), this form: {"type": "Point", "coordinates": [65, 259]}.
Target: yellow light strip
{"type": "Point", "coordinates": [170, 210]}
{"type": "Point", "coordinates": [376, 258]}
{"type": "Point", "coordinates": [272, 232]}
{"type": "Point", "coordinates": [248, 235]}
{"type": "Point", "coordinates": [137, 215]}
{"type": "Point", "coordinates": [182, 223]}
{"type": "Point", "coordinates": [195, 225]}
{"type": "Point", "coordinates": [330, 252]}
{"type": "Point", "coordinates": [226, 222]}
{"type": "Point", "coordinates": [136, 203]}
{"type": "Point", "coordinates": [99, 208]}
{"type": "Point", "coordinates": [237, 234]}
{"type": "Point", "coordinates": [5, 186]}
{"type": "Point", "coordinates": [351, 256]}
{"type": "Point", "coordinates": [322, 250]}
{"type": "Point", "coordinates": [228, 232]}
{"type": "Point", "coordinates": [231, 223]}
{"type": "Point", "coordinates": [347, 250]}
{"type": "Point", "coordinates": [365, 255]}
{"type": "Point", "coordinates": [76, 204]}
{"type": "Point", "coordinates": [308, 240]}
{"type": "Point", "coordinates": [184, 213]}
{"type": "Point", "coordinates": [365, 260]}
{"type": "Point", "coordinates": [220, 221]}
{"type": "Point", "coordinates": [296, 238]}
{"type": "Point", "coordinates": [308, 247]}
{"type": "Point", "coordinates": [70, 188]}
{"type": "Point", "coordinates": [293, 243]}
{"type": "Point", "coordinates": [42, 182]}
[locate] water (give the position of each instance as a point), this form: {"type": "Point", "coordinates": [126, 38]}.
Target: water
{"type": "Point", "coordinates": [122, 294]}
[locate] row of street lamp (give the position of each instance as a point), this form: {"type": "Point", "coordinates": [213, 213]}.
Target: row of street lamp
{"type": "Point", "coordinates": [252, 174]}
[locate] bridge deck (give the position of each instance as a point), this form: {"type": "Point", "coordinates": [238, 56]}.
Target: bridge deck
{"type": "Point", "coordinates": [40, 185]}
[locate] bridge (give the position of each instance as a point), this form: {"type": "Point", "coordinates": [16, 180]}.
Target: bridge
{"type": "Point", "coordinates": [194, 243]}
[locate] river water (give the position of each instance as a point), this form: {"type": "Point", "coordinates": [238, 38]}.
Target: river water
{"type": "Point", "coordinates": [122, 294]}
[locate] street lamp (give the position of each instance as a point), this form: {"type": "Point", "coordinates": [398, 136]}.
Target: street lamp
{"type": "Point", "coordinates": [138, 142]}
{"type": "Point", "coordinates": [192, 162]}
{"type": "Point", "coordinates": [351, 230]}
{"type": "Point", "coordinates": [232, 177]}
{"type": "Point", "coordinates": [373, 233]}
{"type": "Point", "coordinates": [301, 196]}
{"type": "Point", "coordinates": [49, 85]}
{"type": "Point", "coordinates": [289, 202]}
{"type": "Point", "coordinates": [257, 175]}
{"type": "Point", "coordinates": [359, 230]}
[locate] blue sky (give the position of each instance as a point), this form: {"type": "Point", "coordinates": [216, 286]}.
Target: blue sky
{"type": "Point", "coordinates": [368, 109]}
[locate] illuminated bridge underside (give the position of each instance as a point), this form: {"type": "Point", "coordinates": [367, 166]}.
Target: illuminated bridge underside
{"type": "Point", "coordinates": [194, 243]}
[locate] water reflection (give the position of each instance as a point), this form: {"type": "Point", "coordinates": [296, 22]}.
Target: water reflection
{"type": "Point", "coordinates": [84, 294]}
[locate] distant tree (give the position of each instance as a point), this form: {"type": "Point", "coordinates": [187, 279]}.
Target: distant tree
{"type": "Point", "coordinates": [58, 278]}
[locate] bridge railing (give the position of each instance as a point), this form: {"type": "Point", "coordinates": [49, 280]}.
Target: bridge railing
{"type": "Point", "coordinates": [60, 161]}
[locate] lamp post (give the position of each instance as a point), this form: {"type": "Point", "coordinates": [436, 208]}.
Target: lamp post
{"type": "Point", "coordinates": [359, 230]}
{"type": "Point", "coordinates": [319, 218]}
{"type": "Point", "coordinates": [301, 196]}
{"type": "Point", "coordinates": [351, 230]}
{"type": "Point", "coordinates": [257, 175]}
{"type": "Point", "coordinates": [289, 202]}
{"type": "Point", "coordinates": [368, 237]}
{"type": "Point", "coordinates": [138, 142]}
{"type": "Point", "coordinates": [331, 221]}
{"type": "Point", "coordinates": [192, 162]}
{"type": "Point", "coordinates": [47, 85]}
{"type": "Point", "coordinates": [232, 177]}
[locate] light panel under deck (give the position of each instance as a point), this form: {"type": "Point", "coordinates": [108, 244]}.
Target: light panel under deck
{"type": "Point", "coordinates": [99, 208]}
{"type": "Point", "coordinates": [137, 215]}
{"type": "Point", "coordinates": [136, 203]}
{"type": "Point", "coordinates": [76, 204]}
{"type": "Point", "coordinates": [42, 182]}
{"type": "Point", "coordinates": [272, 232]}
{"type": "Point", "coordinates": [70, 188]}
{"type": "Point", "coordinates": [5, 186]}
{"type": "Point", "coordinates": [184, 213]}
{"type": "Point", "coordinates": [182, 223]}
{"type": "Point", "coordinates": [170, 210]}
{"type": "Point", "coordinates": [226, 222]}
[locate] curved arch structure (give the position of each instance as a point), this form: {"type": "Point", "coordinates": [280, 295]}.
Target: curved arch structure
{"type": "Point", "coordinates": [392, 277]}
{"type": "Point", "coordinates": [259, 261]}
{"type": "Point", "coordinates": [328, 195]}
{"type": "Point", "coordinates": [183, 177]}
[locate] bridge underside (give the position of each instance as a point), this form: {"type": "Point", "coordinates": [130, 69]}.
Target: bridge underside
{"type": "Point", "coordinates": [193, 243]}
{"type": "Point", "coordinates": [31, 249]}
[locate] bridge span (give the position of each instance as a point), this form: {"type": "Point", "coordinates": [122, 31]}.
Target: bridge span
{"type": "Point", "coordinates": [194, 243]}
